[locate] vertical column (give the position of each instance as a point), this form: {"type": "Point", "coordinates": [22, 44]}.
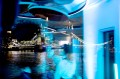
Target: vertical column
{"type": "Point", "coordinates": [90, 39]}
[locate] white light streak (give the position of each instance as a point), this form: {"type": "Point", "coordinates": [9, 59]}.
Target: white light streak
{"type": "Point", "coordinates": [116, 71]}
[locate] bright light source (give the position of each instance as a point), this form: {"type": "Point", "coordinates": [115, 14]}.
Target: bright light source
{"type": "Point", "coordinates": [116, 71]}
{"type": "Point", "coordinates": [63, 42]}
{"type": "Point", "coordinates": [47, 19]}
{"type": "Point", "coordinates": [68, 38]}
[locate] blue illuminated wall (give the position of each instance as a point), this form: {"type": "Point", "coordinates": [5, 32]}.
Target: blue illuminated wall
{"type": "Point", "coordinates": [76, 51]}
{"type": "Point", "coordinates": [118, 43]}
{"type": "Point", "coordinates": [99, 17]}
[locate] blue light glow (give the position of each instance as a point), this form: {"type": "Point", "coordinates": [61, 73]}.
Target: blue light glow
{"type": "Point", "coordinates": [26, 69]}
{"type": "Point", "coordinates": [27, 3]}
{"type": "Point", "coordinates": [63, 2]}
{"type": "Point", "coordinates": [116, 71]}
{"type": "Point", "coordinates": [90, 4]}
{"type": "Point", "coordinates": [75, 5]}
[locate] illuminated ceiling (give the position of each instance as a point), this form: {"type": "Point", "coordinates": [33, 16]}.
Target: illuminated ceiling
{"type": "Point", "coordinates": [61, 12]}
{"type": "Point", "coordinates": [66, 6]}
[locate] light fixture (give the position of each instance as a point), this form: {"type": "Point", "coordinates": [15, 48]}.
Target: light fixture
{"type": "Point", "coordinates": [69, 25]}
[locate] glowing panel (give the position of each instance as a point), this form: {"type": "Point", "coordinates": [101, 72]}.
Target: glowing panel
{"type": "Point", "coordinates": [116, 71]}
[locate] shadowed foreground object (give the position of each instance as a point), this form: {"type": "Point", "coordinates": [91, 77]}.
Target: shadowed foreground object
{"type": "Point", "coordinates": [67, 48]}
